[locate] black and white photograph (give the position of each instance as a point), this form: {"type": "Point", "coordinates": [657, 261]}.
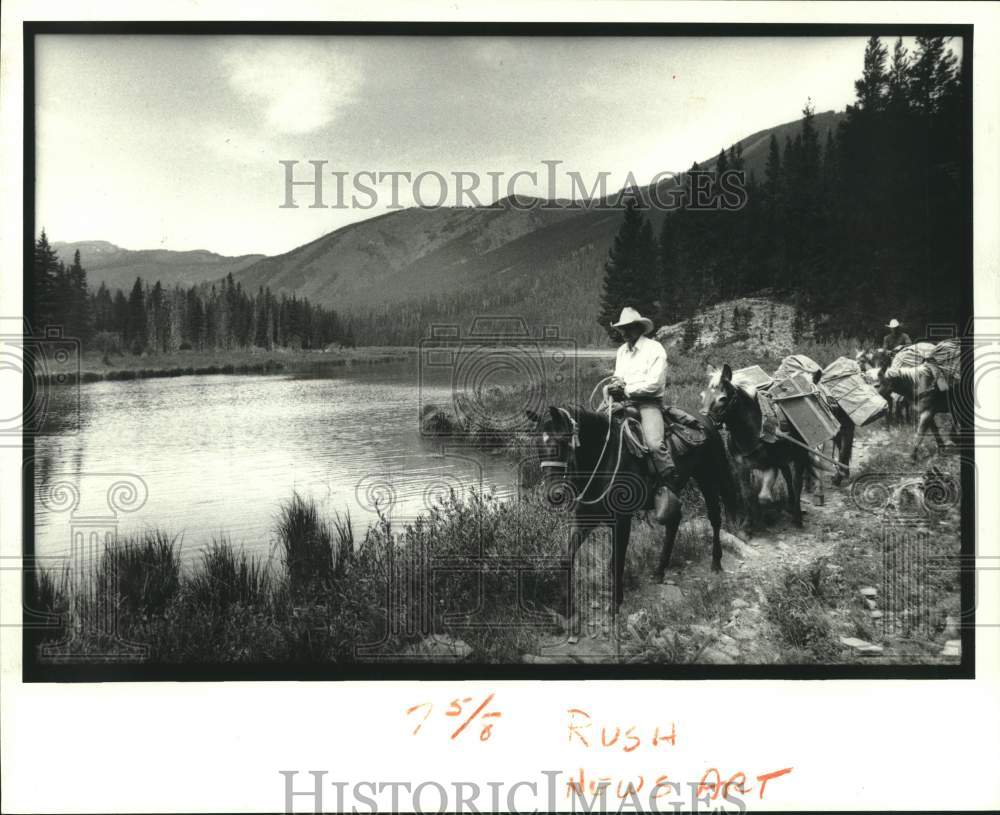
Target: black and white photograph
{"type": "Point", "coordinates": [499, 407]}
{"type": "Point", "coordinates": [363, 353]}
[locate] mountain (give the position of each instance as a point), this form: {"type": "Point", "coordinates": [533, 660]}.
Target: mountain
{"type": "Point", "coordinates": [755, 146]}
{"type": "Point", "coordinates": [418, 254]}
{"type": "Point", "coordinates": [533, 258]}
{"type": "Point", "coordinates": [118, 268]}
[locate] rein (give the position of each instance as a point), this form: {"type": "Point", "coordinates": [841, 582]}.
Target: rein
{"type": "Point", "coordinates": [575, 443]}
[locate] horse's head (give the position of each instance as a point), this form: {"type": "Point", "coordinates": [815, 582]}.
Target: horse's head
{"type": "Point", "coordinates": [873, 363]}
{"type": "Point", "coordinates": [556, 438]}
{"type": "Point", "coordinates": [720, 394]}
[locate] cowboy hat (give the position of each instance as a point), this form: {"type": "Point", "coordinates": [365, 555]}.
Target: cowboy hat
{"type": "Point", "coordinates": [894, 323]}
{"type": "Point", "coordinates": [630, 316]}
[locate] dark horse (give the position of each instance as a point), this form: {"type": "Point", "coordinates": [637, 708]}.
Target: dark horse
{"type": "Point", "coordinates": [587, 465]}
{"type": "Point", "coordinates": [739, 411]}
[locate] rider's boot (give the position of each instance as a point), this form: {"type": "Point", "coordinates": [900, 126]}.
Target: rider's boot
{"type": "Point", "coordinates": [663, 465]}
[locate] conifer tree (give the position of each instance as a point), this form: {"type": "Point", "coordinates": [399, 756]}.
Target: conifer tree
{"type": "Point", "coordinates": [47, 284]}
{"type": "Point", "coordinates": [629, 272]}
{"type": "Point", "coordinates": [898, 79]}
{"type": "Point", "coordinates": [870, 89]}
{"type": "Point", "coordinates": [135, 327]}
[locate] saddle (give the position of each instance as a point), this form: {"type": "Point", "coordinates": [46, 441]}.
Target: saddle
{"type": "Point", "coordinates": [683, 432]}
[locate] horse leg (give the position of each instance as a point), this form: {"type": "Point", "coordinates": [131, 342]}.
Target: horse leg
{"type": "Point", "coordinates": [619, 549]}
{"type": "Point", "coordinates": [714, 511]}
{"type": "Point", "coordinates": [926, 422]}
{"type": "Point", "coordinates": [794, 486]}
{"type": "Point", "coordinates": [845, 449]}
{"type": "Point", "coordinates": [668, 513]}
{"type": "Point", "coordinates": [767, 479]}
{"type": "Point", "coordinates": [577, 535]}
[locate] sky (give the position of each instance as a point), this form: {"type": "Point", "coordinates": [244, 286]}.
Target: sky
{"type": "Point", "coordinates": [175, 142]}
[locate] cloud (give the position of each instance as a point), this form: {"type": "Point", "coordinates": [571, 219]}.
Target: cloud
{"type": "Point", "coordinates": [301, 84]}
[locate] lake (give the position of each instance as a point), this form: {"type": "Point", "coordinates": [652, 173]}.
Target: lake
{"type": "Point", "coordinates": [203, 456]}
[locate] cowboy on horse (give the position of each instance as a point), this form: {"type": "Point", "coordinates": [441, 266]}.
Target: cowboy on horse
{"type": "Point", "coordinates": [896, 336]}
{"type": "Point", "coordinates": [640, 379]}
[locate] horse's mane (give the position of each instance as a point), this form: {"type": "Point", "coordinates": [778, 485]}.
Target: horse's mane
{"type": "Point", "coordinates": [590, 421]}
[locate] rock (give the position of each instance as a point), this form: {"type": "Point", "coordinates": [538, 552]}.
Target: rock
{"type": "Point", "coordinates": [671, 594]}
{"type": "Point", "coordinates": [738, 603]}
{"type": "Point", "coordinates": [713, 656]}
{"type": "Point", "coordinates": [860, 645]}
{"type": "Point", "coordinates": [638, 619]}
{"type": "Point", "coordinates": [868, 591]}
{"type": "Point", "coordinates": [952, 648]}
{"type": "Point", "coordinates": [854, 642]}
{"type": "Point", "coordinates": [731, 651]}
{"type": "Point", "coordinates": [704, 631]}
{"type": "Point", "coordinates": [950, 627]}
{"type": "Point", "coordinates": [872, 605]}
{"type": "Point", "coordinates": [444, 646]}
{"type": "Point", "coordinates": [876, 614]}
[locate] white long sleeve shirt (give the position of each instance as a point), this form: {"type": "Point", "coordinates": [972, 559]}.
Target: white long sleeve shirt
{"type": "Point", "coordinates": [643, 368]}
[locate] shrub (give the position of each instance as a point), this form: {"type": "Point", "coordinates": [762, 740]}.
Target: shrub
{"type": "Point", "coordinates": [107, 342]}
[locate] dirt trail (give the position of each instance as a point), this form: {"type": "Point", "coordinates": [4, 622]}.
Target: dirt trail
{"type": "Point", "coordinates": [707, 618]}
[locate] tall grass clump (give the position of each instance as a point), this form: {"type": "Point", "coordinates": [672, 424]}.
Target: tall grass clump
{"type": "Point", "coordinates": [140, 574]}
{"type": "Point", "coordinates": [797, 605]}
{"type": "Point", "coordinates": [49, 604]}
{"type": "Point", "coordinates": [307, 548]}
{"type": "Point", "coordinates": [228, 576]}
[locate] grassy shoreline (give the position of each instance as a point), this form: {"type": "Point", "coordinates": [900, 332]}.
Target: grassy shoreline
{"type": "Point", "coordinates": [97, 367]}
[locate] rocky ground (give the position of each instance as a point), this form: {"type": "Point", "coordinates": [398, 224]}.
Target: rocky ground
{"type": "Point", "coordinates": [870, 578]}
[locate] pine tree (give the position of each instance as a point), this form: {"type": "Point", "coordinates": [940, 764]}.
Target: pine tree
{"type": "Point", "coordinates": [673, 291]}
{"type": "Point", "coordinates": [135, 326]}
{"type": "Point", "coordinates": [629, 272]}
{"type": "Point", "coordinates": [47, 284]}
{"type": "Point", "coordinates": [870, 89]}
{"type": "Point", "coordinates": [691, 335]}
{"type": "Point", "coordinates": [898, 79]}
{"type": "Point", "coordinates": [77, 315]}
{"type": "Point", "coordinates": [933, 74]}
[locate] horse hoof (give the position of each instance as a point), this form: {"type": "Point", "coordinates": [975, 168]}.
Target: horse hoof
{"type": "Point", "coordinates": [716, 567]}
{"type": "Point", "coordinates": [572, 639]}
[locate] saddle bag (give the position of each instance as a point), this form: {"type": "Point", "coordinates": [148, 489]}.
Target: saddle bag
{"type": "Point", "coordinates": [684, 432]}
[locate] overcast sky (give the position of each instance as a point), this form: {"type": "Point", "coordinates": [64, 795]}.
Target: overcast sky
{"type": "Point", "coordinates": [174, 142]}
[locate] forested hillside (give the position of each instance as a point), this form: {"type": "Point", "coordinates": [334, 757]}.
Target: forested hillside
{"type": "Point", "coordinates": [851, 218]}
{"type": "Point", "coordinates": [854, 225]}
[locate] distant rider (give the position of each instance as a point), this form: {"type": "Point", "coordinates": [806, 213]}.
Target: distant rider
{"type": "Point", "coordinates": [896, 336]}
{"type": "Point", "coordinates": [640, 377]}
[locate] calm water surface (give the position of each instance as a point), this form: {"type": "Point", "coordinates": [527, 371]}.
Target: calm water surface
{"type": "Point", "coordinates": [204, 456]}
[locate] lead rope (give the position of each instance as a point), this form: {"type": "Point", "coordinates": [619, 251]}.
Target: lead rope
{"type": "Point", "coordinates": [607, 438]}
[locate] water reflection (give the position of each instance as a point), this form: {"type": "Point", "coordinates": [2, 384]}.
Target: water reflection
{"type": "Point", "coordinates": [220, 453]}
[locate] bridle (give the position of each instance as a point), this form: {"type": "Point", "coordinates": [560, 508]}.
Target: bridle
{"type": "Point", "coordinates": [574, 444]}
{"type": "Point", "coordinates": [721, 415]}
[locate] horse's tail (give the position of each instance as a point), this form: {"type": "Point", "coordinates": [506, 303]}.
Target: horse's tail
{"type": "Point", "coordinates": [729, 491]}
